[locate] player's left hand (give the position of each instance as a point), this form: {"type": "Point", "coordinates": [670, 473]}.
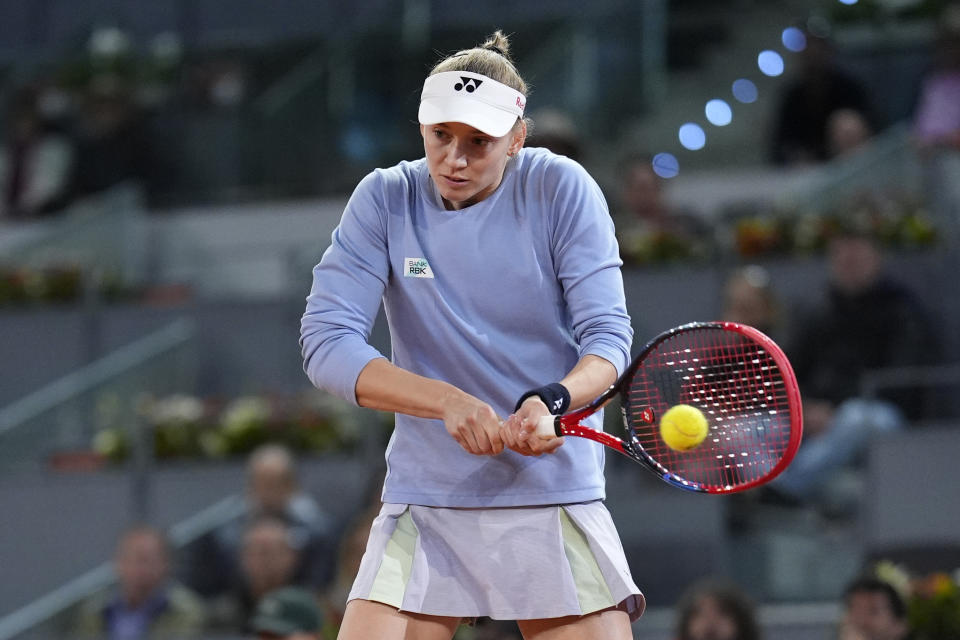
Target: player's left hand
{"type": "Point", "coordinates": [518, 430]}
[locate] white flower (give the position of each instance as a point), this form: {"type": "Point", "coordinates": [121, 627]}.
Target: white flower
{"type": "Point", "coordinates": [176, 408]}
{"type": "Point", "coordinates": [895, 575]}
{"type": "Point", "coordinates": [108, 42]}
{"type": "Point", "coordinates": [243, 412]}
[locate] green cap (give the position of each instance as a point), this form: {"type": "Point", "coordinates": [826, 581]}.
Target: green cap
{"type": "Point", "coordinates": [287, 610]}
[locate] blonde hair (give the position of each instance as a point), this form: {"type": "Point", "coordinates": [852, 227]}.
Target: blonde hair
{"type": "Point", "coordinates": [491, 59]}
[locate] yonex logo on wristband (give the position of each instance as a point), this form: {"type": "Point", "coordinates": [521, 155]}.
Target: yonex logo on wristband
{"type": "Point", "coordinates": [554, 395]}
{"type": "Point", "coordinates": [417, 268]}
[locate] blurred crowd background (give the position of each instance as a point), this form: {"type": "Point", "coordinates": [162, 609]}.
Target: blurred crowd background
{"type": "Point", "coordinates": [170, 172]}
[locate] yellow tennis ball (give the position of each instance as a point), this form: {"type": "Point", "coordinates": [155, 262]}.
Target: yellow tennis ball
{"type": "Point", "coordinates": [683, 427]}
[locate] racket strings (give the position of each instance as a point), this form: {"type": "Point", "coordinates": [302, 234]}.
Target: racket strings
{"type": "Point", "coordinates": [738, 387]}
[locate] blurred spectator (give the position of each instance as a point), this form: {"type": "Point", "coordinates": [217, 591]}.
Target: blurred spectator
{"type": "Point", "coordinates": [640, 196]}
{"type": "Point", "coordinates": [936, 126]}
{"type": "Point", "coordinates": [352, 546]}
{"type": "Point", "coordinates": [289, 613]}
{"type": "Point", "coordinates": [648, 229]}
{"type": "Point", "coordinates": [821, 88]}
{"type": "Point", "coordinates": [716, 610]}
{"type": "Point", "coordinates": [847, 132]}
{"type": "Point", "coordinates": [873, 610]}
{"type": "Point", "coordinates": [937, 119]}
{"type": "Point", "coordinates": [555, 130]}
{"type": "Point", "coordinates": [868, 321]}
{"type": "Point", "coordinates": [269, 556]}
{"type": "Point", "coordinates": [272, 490]}
{"type": "Point", "coordinates": [147, 603]}
{"type": "Point", "coordinates": [36, 162]}
{"type": "Point", "coordinates": [749, 298]}
{"type": "Point", "coordinates": [111, 139]}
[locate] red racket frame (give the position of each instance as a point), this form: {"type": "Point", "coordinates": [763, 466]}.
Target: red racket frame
{"type": "Point", "coordinates": [630, 446]}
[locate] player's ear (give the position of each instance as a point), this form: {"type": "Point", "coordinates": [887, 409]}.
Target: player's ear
{"type": "Point", "coordinates": [518, 137]}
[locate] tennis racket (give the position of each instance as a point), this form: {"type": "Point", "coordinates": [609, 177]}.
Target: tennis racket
{"type": "Point", "coordinates": [736, 376]}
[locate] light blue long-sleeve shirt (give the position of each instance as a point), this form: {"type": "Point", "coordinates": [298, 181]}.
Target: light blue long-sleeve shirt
{"type": "Point", "coordinates": [497, 298]}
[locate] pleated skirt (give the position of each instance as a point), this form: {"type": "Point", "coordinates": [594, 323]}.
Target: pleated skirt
{"type": "Point", "coordinates": [515, 563]}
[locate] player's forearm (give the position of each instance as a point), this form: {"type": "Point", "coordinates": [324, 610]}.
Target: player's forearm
{"type": "Point", "coordinates": [588, 379]}
{"type": "Point", "coordinates": [384, 386]}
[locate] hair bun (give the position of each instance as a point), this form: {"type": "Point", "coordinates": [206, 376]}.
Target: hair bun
{"type": "Point", "coordinates": [479, 59]}
{"type": "Point", "coordinates": [498, 42]}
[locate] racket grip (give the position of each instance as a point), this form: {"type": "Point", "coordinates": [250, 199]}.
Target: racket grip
{"type": "Point", "coordinates": [547, 427]}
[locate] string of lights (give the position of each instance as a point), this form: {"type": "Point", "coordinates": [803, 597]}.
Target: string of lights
{"type": "Point", "coordinates": [719, 113]}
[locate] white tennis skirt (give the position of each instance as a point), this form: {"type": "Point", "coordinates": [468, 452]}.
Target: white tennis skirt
{"type": "Point", "coordinates": [516, 563]}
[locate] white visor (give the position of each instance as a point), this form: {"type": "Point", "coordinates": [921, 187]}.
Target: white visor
{"type": "Point", "coordinates": [473, 99]}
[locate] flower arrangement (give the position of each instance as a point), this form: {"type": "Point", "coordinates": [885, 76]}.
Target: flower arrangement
{"type": "Point", "coordinates": [897, 222]}
{"type": "Point", "coordinates": [187, 427]}
{"type": "Point", "coordinates": [113, 60]}
{"type": "Point", "coordinates": [660, 247]}
{"type": "Point", "coordinates": [54, 284]}
{"type": "Point", "coordinates": [20, 286]}
{"type": "Point", "coordinates": [750, 231]}
{"type": "Point", "coordinates": [762, 236]}
{"type": "Point", "coordinates": [933, 600]}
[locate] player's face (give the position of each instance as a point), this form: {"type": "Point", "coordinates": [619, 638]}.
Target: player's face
{"type": "Point", "coordinates": [466, 164]}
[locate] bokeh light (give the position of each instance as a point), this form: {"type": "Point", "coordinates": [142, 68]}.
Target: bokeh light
{"type": "Point", "coordinates": [744, 90]}
{"type": "Point", "coordinates": [770, 63]}
{"type": "Point", "coordinates": [848, 2]}
{"type": "Point", "coordinates": [794, 39]}
{"type": "Point", "coordinates": [666, 165]}
{"type": "Point", "coordinates": [718, 112]}
{"type": "Point", "coordinates": [692, 136]}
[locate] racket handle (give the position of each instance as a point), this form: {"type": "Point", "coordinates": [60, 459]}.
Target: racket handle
{"type": "Point", "coordinates": [547, 427]}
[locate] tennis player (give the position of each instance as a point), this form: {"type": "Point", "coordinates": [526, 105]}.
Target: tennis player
{"type": "Point", "coordinates": [500, 278]}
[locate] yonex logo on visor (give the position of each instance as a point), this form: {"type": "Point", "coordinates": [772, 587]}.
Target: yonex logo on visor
{"type": "Point", "coordinates": [473, 99]}
{"type": "Point", "coordinates": [470, 84]}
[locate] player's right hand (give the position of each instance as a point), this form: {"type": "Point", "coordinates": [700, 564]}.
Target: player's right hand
{"type": "Point", "coordinates": [519, 430]}
{"type": "Point", "coordinates": [473, 424]}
